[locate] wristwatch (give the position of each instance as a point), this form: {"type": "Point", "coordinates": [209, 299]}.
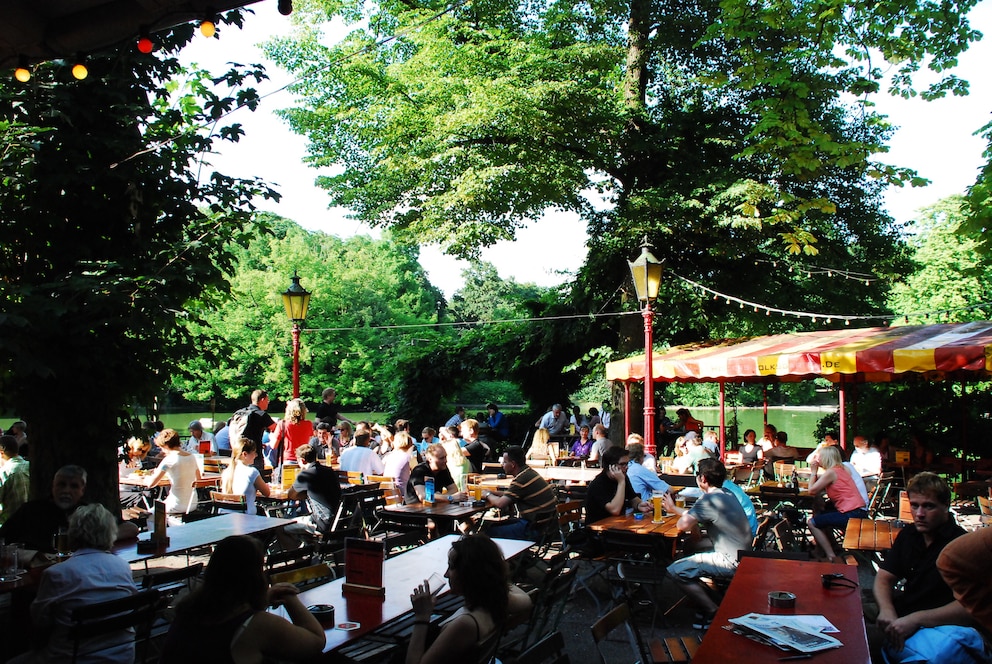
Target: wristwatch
{"type": "Point", "coordinates": [451, 498]}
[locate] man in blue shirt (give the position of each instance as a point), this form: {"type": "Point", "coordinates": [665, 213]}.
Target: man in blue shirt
{"type": "Point", "coordinates": [643, 480]}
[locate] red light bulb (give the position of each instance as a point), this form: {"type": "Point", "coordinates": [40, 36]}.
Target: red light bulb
{"type": "Point", "coordinates": [145, 45]}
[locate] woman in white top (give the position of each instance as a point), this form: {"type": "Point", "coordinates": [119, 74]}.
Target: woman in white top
{"type": "Point", "coordinates": [183, 471]}
{"type": "Point", "coordinates": [242, 477]}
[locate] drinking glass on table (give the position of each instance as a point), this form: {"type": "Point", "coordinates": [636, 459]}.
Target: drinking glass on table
{"type": "Point", "coordinates": [659, 508]}
{"type": "Point", "coordinates": [60, 542]}
{"type": "Point", "coordinates": [9, 565]}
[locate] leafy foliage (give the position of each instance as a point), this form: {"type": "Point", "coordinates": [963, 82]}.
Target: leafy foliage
{"type": "Point", "coordinates": [108, 234]}
{"type": "Point", "coordinates": [361, 290]}
{"type": "Point", "coordinates": [951, 273]}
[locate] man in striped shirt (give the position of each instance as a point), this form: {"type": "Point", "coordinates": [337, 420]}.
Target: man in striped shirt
{"type": "Point", "coordinates": [529, 493]}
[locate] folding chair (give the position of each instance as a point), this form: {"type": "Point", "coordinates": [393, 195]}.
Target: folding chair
{"type": "Point", "coordinates": [236, 502]}
{"type": "Point", "coordinates": [671, 649]}
{"type": "Point", "coordinates": [129, 618]}
{"type": "Point", "coordinates": [549, 650]}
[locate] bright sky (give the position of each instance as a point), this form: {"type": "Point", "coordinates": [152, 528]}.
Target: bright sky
{"type": "Point", "coordinates": [936, 138]}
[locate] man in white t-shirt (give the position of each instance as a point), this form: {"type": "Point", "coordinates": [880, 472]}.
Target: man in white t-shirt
{"type": "Point", "coordinates": [197, 438]}
{"type": "Point", "coordinates": [360, 459]}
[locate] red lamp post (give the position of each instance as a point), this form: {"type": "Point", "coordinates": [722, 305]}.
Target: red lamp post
{"type": "Point", "coordinates": [296, 299]}
{"type": "Point", "coordinates": [646, 272]}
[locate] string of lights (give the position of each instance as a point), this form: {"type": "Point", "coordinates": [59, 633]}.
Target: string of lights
{"type": "Point", "coordinates": [329, 64]}
{"type": "Point", "coordinates": [864, 277]}
{"type": "Point", "coordinates": [829, 318]}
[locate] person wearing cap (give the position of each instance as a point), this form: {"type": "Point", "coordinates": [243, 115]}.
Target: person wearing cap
{"type": "Point", "coordinates": [200, 441]}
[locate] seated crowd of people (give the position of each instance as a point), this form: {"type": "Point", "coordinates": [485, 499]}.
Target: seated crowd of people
{"type": "Point", "coordinates": [930, 589]}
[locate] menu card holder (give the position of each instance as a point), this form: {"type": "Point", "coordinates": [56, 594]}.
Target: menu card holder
{"type": "Point", "coordinates": [159, 539]}
{"type": "Point", "coordinates": [363, 567]}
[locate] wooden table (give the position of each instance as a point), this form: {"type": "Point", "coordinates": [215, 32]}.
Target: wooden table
{"type": "Point", "coordinates": [773, 486]}
{"type": "Point", "coordinates": [199, 534]}
{"type": "Point", "coordinates": [870, 535]}
{"type": "Point", "coordinates": [667, 529]}
{"type": "Point", "coordinates": [748, 593]}
{"type": "Point", "coordinates": [440, 511]}
{"type": "Point", "coordinates": [400, 575]}
{"type": "Point", "coordinates": [569, 473]}
{"type": "Point", "coordinates": [206, 480]}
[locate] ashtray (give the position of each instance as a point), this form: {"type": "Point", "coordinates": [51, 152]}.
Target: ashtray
{"type": "Point", "coordinates": [324, 613]}
{"type": "Point", "coordinates": [466, 503]}
{"type": "Point", "coordinates": [638, 516]}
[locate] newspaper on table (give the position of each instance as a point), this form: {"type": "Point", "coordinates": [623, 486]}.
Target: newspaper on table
{"type": "Point", "coordinates": [800, 633]}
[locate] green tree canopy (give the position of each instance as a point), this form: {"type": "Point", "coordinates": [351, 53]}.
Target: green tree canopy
{"type": "Point", "coordinates": [951, 274]}
{"type": "Point", "coordinates": [107, 234]}
{"type": "Point", "coordinates": [369, 300]}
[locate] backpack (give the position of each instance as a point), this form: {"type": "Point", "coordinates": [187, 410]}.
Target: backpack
{"type": "Point", "coordinates": [237, 424]}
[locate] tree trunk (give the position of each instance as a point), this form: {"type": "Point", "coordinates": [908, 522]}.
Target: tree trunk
{"type": "Point", "coordinates": [72, 429]}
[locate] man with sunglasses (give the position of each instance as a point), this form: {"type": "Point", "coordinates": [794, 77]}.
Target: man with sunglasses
{"type": "Point", "coordinates": [924, 600]}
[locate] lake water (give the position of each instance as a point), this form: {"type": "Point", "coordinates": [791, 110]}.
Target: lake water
{"type": "Point", "coordinates": [799, 423]}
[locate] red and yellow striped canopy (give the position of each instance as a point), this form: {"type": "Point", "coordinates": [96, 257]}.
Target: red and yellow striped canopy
{"type": "Point", "coordinates": [951, 351]}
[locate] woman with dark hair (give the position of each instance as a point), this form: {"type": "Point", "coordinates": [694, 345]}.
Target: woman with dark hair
{"type": "Point", "coordinates": [477, 571]}
{"type": "Point", "coordinates": [749, 449]}
{"type": "Point", "coordinates": [225, 620]}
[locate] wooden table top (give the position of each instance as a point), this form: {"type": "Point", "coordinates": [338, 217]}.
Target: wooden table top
{"type": "Point", "coordinates": [748, 593]}
{"type": "Point", "coordinates": [400, 575]}
{"type": "Point", "coordinates": [439, 510]}
{"type": "Point", "coordinates": [774, 486]}
{"type": "Point", "coordinates": [207, 480]}
{"type": "Point", "coordinates": [870, 535]}
{"type": "Point", "coordinates": [200, 533]}
{"type": "Point", "coordinates": [667, 528]}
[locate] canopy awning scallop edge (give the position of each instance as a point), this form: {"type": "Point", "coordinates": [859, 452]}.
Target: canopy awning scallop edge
{"type": "Point", "coordinates": [952, 351]}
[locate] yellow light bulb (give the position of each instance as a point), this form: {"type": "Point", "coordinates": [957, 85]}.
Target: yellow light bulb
{"type": "Point", "coordinates": [22, 74]}
{"type": "Point", "coordinates": [79, 71]}
{"type": "Point", "coordinates": [208, 29]}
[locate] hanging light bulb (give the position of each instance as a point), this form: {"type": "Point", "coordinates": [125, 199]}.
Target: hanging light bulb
{"type": "Point", "coordinates": [145, 43]}
{"type": "Point", "coordinates": [22, 73]}
{"type": "Point", "coordinates": [79, 70]}
{"type": "Point", "coordinates": [285, 7]}
{"type": "Point", "coordinates": [207, 26]}
{"type": "Point", "coordinates": [847, 321]}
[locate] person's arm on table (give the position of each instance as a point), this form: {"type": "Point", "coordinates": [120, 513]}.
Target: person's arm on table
{"type": "Point", "coordinates": [896, 629]}
{"type": "Point", "coordinates": [299, 639]}
{"type": "Point", "coordinates": [155, 477]}
{"type": "Point", "coordinates": [639, 504]}
{"type": "Point", "coordinates": [454, 494]}
{"type": "Point", "coordinates": [822, 482]}
{"type": "Point", "coordinates": [498, 499]}
{"type": "Point", "coordinates": [687, 522]}
{"type": "Point", "coordinates": [261, 486]}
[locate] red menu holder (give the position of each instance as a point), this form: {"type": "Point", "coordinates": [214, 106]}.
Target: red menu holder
{"type": "Point", "coordinates": [363, 568]}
